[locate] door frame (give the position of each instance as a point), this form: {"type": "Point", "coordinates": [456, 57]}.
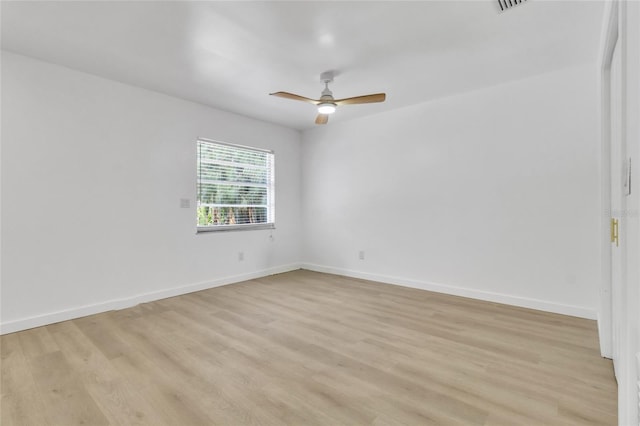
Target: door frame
{"type": "Point", "coordinates": [611, 38]}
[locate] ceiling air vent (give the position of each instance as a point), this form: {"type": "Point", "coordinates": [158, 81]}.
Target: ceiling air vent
{"type": "Point", "coordinates": [506, 4]}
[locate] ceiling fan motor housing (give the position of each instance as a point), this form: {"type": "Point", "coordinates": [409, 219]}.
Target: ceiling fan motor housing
{"type": "Point", "coordinates": [327, 104]}
{"type": "Point", "coordinates": [327, 95]}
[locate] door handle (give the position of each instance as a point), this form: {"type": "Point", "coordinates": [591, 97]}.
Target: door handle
{"type": "Point", "coordinates": [614, 231]}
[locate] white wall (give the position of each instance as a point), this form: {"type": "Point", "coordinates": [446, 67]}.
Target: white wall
{"type": "Point", "coordinates": [92, 176]}
{"type": "Point", "coordinates": [492, 194]}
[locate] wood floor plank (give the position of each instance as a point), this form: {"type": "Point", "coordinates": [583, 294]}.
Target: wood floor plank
{"type": "Point", "coordinates": [116, 397]}
{"type": "Point", "coordinates": [37, 341]}
{"type": "Point", "coordinates": [21, 402]}
{"type": "Point", "coordinates": [314, 349]}
{"type": "Point", "coordinates": [66, 401]}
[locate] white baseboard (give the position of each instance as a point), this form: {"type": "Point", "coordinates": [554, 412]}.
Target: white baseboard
{"type": "Point", "coordinates": [606, 350]}
{"type": "Point", "coordinates": [524, 302]}
{"type": "Point", "coordinates": [114, 304]}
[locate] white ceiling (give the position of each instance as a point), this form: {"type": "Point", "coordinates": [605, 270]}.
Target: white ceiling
{"type": "Point", "coordinates": [230, 55]}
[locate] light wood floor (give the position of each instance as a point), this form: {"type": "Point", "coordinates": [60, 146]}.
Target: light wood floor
{"type": "Point", "coordinates": [305, 348]}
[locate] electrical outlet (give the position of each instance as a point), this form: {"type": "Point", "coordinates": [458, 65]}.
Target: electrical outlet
{"type": "Point", "coordinates": [240, 256]}
{"type": "Point", "coordinates": [361, 255]}
{"type": "Point", "coordinates": [185, 203]}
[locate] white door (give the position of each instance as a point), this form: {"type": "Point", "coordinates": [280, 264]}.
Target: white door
{"type": "Point", "coordinates": [617, 208]}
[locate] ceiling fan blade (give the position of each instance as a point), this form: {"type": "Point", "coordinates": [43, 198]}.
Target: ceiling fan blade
{"type": "Point", "coordinates": [294, 97]}
{"type": "Point", "coordinates": [322, 118]}
{"type": "Point", "coordinates": [366, 99]}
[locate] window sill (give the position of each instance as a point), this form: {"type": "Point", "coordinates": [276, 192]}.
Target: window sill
{"type": "Point", "coordinates": [227, 228]}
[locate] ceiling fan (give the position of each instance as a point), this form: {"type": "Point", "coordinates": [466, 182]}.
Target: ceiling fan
{"type": "Point", "coordinates": [327, 104]}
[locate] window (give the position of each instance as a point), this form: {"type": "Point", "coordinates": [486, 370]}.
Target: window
{"type": "Point", "coordinates": [235, 187]}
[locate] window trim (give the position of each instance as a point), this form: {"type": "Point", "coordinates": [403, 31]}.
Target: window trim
{"type": "Point", "coordinates": [270, 194]}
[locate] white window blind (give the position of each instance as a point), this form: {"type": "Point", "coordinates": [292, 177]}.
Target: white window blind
{"type": "Point", "coordinates": [235, 187]}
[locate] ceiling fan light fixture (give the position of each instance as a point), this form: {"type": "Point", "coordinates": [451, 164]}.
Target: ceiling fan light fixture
{"type": "Point", "coordinates": [326, 108]}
